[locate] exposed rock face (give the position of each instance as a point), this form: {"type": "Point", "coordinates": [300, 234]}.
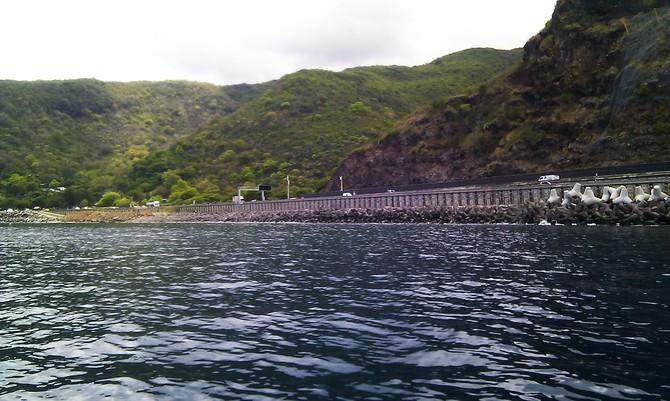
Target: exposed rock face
{"type": "Point", "coordinates": [593, 90]}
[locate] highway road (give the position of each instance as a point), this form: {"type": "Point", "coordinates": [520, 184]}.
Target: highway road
{"type": "Point", "coordinates": [615, 175]}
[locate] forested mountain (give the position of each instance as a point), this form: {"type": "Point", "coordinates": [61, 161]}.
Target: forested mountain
{"type": "Point", "coordinates": [304, 124]}
{"type": "Point", "coordinates": [85, 134]}
{"type": "Point", "coordinates": [593, 90]}
{"type": "Point", "coordinates": [65, 143]}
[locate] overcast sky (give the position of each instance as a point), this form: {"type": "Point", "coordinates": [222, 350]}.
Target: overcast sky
{"type": "Point", "coordinates": [227, 42]}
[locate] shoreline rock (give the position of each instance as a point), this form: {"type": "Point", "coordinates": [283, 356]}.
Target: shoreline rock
{"type": "Point", "coordinates": [648, 213]}
{"type": "Point", "coordinates": [25, 216]}
{"type": "Point", "coordinates": [110, 215]}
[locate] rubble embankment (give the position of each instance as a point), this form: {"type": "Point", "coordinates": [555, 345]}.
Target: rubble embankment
{"type": "Point", "coordinates": [111, 215]}
{"type": "Point", "coordinates": [28, 216]}
{"type": "Point", "coordinates": [645, 213]}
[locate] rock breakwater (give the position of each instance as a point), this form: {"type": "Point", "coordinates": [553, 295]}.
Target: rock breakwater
{"type": "Point", "coordinates": [110, 215]}
{"type": "Point", "coordinates": [26, 216]}
{"type": "Point", "coordinates": [647, 213]}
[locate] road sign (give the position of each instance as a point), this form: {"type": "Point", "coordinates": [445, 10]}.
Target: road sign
{"type": "Point", "coordinates": [265, 187]}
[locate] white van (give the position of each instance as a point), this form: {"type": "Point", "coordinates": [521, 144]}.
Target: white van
{"type": "Point", "coordinates": [547, 179]}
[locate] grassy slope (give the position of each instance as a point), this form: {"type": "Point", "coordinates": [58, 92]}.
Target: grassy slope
{"type": "Point", "coordinates": [87, 133]}
{"type": "Point", "coordinates": [142, 138]}
{"type": "Point", "coordinates": [304, 124]}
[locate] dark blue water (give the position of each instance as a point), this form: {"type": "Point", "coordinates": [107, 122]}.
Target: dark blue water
{"type": "Point", "coordinates": [334, 312]}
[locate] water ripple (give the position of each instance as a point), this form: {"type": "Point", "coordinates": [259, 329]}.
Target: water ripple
{"type": "Point", "coordinates": [347, 312]}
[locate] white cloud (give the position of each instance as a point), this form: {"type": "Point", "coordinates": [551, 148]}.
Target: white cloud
{"type": "Point", "coordinates": [247, 41]}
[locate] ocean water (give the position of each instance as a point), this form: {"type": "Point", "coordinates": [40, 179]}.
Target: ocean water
{"type": "Point", "coordinates": [334, 312]}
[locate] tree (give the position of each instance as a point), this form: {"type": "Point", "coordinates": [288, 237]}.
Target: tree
{"type": "Point", "coordinates": [359, 107]}
{"type": "Point", "coordinates": [181, 192]}
{"type": "Point", "coordinates": [122, 202]}
{"type": "Point", "coordinates": [53, 184]}
{"type": "Point", "coordinates": [108, 199]}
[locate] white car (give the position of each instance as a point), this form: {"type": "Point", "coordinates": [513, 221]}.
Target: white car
{"type": "Point", "coordinates": [347, 194]}
{"type": "Point", "coordinates": [547, 179]}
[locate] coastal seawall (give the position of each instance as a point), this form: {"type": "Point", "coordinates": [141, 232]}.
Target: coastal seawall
{"type": "Point", "coordinates": [524, 204]}
{"type": "Point", "coordinates": [653, 213]}
{"type": "Point", "coordinates": [446, 198]}
{"type": "Point", "coordinates": [527, 204]}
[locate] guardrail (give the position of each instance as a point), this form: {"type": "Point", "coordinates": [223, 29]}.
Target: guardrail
{"type": "Point", "coordinates": [462, 197]}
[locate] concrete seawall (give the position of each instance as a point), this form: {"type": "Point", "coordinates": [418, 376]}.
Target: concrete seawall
{"type": "Point", "coordinates": [525, 204]}
{"type": "Point", "coordinates": [450, 198]}
{"type": "Point", "coordinates": [651, 213]}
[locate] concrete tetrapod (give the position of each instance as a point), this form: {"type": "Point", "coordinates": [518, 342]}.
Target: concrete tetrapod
{"type": "Point", "coordinates": [623, 198]}
{"type": "Point", "coordinates": [567, 199]}
{"type": "Point", "coordinates": [616, 192]}
{"type": "Point", "coordinates": [589, 198]}
{"type": "Point", "coordinates": [607, 192]}
{"type": "Point", "coordinates": [553, 197]}
{"type": "Point", "coordinates": [640, 196]}
{"type": "Point", "coordinates": [657, 194]}
{"type": "Point", "coordinates": [576, 190]}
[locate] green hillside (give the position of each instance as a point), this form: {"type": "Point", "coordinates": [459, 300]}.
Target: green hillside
{"type": "Point", "coordinates": [65, 143]}
{"type": "Point", "coordinates": [85, 134]}
{"type": "Point", "coordinates": [303, 125]}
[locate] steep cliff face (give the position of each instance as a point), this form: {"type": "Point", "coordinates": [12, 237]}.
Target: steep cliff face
{"type": "Point", "coordinates": [593, 90]}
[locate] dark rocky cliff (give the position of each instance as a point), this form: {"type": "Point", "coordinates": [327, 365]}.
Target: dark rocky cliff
{"type": "Point", "coordinates": [593, 90]}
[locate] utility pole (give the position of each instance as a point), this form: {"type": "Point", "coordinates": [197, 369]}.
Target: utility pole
{"type": "Point", "coordinates": [288, 188]}
{"type": "Point", "coordinates": [341, 184]}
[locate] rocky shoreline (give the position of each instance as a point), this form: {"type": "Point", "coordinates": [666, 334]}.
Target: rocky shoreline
{"type": "Point", "coordinates": [652, 213]}
{"type": "Point", "coordinates": [111, 215]}
{"type": "Point", "coordinates": [25, 216]}
{"type": "Point", "coordinates": [643, 213]}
